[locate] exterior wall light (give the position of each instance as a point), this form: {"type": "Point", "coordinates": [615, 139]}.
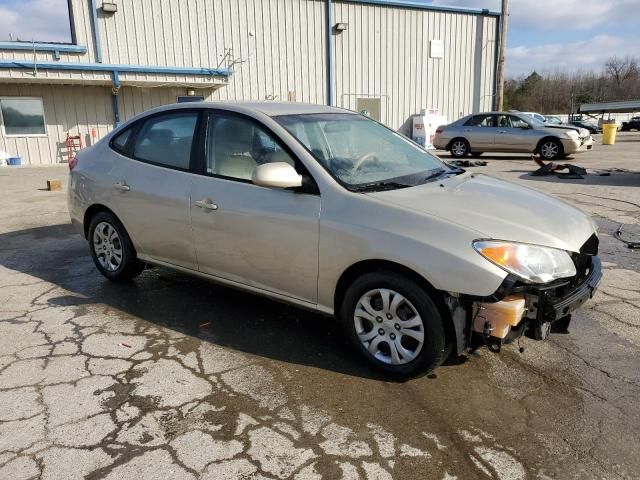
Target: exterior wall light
{"type": "Point", "coordinates": [341, 27]}
{"type": "Point", "coordinates": [109, 7]}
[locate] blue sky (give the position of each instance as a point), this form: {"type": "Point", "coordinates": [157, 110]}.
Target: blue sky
{"type": "Point", "coordinates": [544, 35]}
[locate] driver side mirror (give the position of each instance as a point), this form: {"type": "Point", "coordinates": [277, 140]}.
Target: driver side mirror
{"type": "Point", "coordinates": [276, 175]}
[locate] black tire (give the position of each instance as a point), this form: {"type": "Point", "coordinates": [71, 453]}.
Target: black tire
{"type": "Point", "coordinates": [129, 266]}
{"type": "Point", "coordinates": [550, 149]}
{"type": "Point", "coordinates": [476, 154]}
{"type": "Point", "coordinates": [459, 148]}
{"type": "Point", "coordinates": [434, 349]}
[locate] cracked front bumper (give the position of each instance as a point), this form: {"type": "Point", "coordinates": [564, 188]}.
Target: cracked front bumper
{"type": "Point", "coordinates": [551, 309]}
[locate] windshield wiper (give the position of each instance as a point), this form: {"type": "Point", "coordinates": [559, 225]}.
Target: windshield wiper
{"type": "Point", "coordinates": [378, 186]}
{"type": "Point", "coordinates": [434, 174]}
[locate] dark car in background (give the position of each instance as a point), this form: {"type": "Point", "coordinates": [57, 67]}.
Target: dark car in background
{"type": "Point", "coordinates": [632, 124]}
{"type": "Point", "coordinates": [591, 127]}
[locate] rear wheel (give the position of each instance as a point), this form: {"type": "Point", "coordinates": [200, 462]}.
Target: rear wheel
{"type": "Point", "coordinates": [112, 250]}
{"type": "Point", "coordinates": [550, 149]}
{"type": "Point", "coordinates": [394, 323]}
{"type": "Point", "coordinates": [459, 148]}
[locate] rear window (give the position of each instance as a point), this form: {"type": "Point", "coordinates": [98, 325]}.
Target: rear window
{"type": "Point", "coordinates": [119, 142]}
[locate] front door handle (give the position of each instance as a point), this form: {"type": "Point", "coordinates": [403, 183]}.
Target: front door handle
{"type": "Point", "coordinates": [502, 131]}
{"type": "Point", "coordinates": [122, 186]}
{"type": "Point", "coordinates": [206, 204]}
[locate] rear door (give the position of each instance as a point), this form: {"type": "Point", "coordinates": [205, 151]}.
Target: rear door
{"type": "Point", "coordinates": [152, 186]}
{"type": "Point", "coordinates": [480, 132]}
{"type": "Point", "coordinates": [265, 238]}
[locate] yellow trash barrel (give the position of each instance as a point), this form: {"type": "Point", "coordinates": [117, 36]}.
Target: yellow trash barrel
{"type": "Point", "coordinates": [609, 133]}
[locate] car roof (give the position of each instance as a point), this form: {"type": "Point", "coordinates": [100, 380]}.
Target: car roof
{"type": "Point", "coordinates": [500, 113]}
{"type": "Point", "coordinates": [269, 108]}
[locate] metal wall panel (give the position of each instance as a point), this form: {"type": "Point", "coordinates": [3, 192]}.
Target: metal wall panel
{"type": "Point", "coordinates": [279, 47]}
{"type": "Point", "coordinates": [385, 53]}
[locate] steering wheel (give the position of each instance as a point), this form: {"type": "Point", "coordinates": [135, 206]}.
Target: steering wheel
{"type": "Point", "coordinates": [367, 157]}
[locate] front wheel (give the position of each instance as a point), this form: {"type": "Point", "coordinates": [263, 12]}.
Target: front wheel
{"type": "Point", "coordinates": [551, 149]}
{"type": "Point", "coordinates": [394, 323]}
{"type": "Point", "coordinates": [459, 148]}
{"type": "Point", "coordinates": [112, 250]}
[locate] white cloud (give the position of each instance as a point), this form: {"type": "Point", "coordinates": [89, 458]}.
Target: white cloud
{"type": "Point", "coordinates": [549, 15]}
{"type": "Point", "coordinates": [39, 20]}
{"type": "Point", "coordinates": [587, 55]}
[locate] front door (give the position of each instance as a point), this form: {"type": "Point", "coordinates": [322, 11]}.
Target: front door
{"type": "Point", "coordinates": [261, 237]}
{"type": "Point", "coordinates": [152, 187]}
{"type": "Point", "coordinates": [513, 134]}
{"type": "Point", "coordinates": [479, 131]}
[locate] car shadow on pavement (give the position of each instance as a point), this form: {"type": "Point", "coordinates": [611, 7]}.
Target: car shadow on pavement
{"type": "Point", "coordinates": [185, 304]}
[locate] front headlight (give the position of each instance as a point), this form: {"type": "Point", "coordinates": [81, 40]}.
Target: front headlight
{"type": "Point", "coordinates": [532, 263]}
{"type": "Point", "coordinates": [572, 134]}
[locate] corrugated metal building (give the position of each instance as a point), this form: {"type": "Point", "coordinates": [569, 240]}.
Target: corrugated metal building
{"type": "Point", "coordinates": [389, 57]}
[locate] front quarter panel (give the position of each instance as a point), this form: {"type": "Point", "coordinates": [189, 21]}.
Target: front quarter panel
{"type": "Point", "coordinates": [355, 227]}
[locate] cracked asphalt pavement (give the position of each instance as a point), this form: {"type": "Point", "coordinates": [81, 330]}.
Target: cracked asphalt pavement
{"type": "Point", "coordinates": [175, 377]}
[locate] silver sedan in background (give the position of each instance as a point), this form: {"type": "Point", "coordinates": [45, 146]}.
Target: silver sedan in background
{"type": "Point", "coordinates": [510, 132]}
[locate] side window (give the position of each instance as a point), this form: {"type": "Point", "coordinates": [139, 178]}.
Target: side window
{"type": "Point", "coordinates": [119, 142]}
{"type": "Point", "coordinates": [518, 122]}
{"type": "Point", "coordinates": [166, 139]}
{"type": "Point", "coordinates": [480, 121]}
{"type": "Point", "coordinates": [503, 121]}
{"type": "Point", "coordinates": [236, 146]}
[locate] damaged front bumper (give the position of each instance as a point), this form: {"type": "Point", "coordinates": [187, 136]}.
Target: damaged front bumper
{"type": "Point", "coordinates": [517, 308]}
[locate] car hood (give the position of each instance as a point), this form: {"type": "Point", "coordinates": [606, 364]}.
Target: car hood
{"type": "Point", "coordinates": [497, 209]}
{"type": "Point", "coordinates": [583, 132]}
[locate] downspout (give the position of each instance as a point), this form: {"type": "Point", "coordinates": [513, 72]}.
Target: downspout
{"type": "Point", "coordinates": [96, 31]}
{"type": "Point", "coordinates": [330, 56]}
{"type": "Point", "coordinates": [114, 99]}
{"type": "Point", "coordinates": [497, 60]}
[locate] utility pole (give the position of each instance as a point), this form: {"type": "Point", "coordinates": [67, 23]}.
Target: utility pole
{"type": "Point", "coordinates": [504, 20]}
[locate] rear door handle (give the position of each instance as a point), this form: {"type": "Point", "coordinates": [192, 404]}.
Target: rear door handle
{"type": "Point", "coordinates": [122, 186]}
{"type": "Point", "coordinates": [206, 204]}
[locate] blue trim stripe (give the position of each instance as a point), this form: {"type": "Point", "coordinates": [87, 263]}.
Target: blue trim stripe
{"type": "Point", "coordinates": [105, 67]}
{"type": "Point", "coordinates": [422, 5]}
{"type": "Point", "coordinates": [43, 47]}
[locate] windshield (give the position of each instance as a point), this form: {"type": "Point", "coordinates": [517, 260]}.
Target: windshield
{"type": "Point", "coordinates": [358, 151]}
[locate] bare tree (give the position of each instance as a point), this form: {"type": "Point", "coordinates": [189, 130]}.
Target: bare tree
{"type": "Point", "coordinates": [622, 69]}
{"type": "Point", "coordinates": [563, 92]}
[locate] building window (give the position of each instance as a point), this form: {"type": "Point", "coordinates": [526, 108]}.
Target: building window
{"type": "Point", "coordinates": [22, 116]}
{"type": "Point", "coordinates": [42, 21]}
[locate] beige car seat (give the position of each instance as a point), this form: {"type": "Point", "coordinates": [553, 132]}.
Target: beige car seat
{"type": "Point", "coordinates": [232, 143]}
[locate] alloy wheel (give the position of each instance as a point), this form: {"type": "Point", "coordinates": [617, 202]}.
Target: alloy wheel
{"type": "Point", "coordinates": [389, 326]}
{"type": "Point", "coordinates": [459, 148]}
{"type": "Point", "coordinates": [549, 150]}
{"type": "Point", "coordinates": [107, 246]}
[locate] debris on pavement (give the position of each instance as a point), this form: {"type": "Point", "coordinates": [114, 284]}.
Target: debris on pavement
{"type": "Point", "coordinates": [468, 163]}
{"type": "Point", "coordinates": [551, 168]}
{"type": "Point", "coordinates": [629, 235]}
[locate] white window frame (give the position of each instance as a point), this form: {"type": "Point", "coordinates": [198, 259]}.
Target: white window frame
{"type": "Point", "coordinates": [25, 135]}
